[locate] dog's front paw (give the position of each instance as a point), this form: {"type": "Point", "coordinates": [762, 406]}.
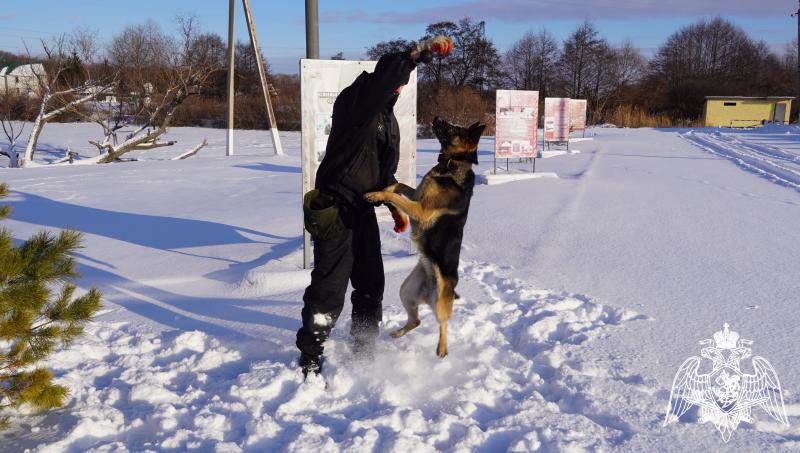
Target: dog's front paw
{"type": "Point", "coordinates": [374, 197]}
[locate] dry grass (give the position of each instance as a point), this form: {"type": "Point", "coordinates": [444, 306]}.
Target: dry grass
{"type": "Point", "coordinates": [633, 116]}
{"type": "Point", "coordinates": [250, 112]}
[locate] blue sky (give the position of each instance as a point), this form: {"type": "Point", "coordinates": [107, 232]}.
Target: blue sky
{"type": "Point", "coordinates": [351, 26]}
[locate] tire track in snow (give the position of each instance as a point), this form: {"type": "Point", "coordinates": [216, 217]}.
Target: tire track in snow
{"type": "Point", "coordinates": [769, 151]}
{"type": "Point", "coordinates": [568, 207]}
{"type": "Point", "coordinates": [751, 157]}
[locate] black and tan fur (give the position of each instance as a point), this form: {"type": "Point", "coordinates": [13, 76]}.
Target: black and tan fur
{"type": "Point", "coordinates": [438, 210]}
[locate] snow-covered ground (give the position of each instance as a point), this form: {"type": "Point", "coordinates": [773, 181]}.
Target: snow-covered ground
{"type": "Point", "coordinates": [580, 297]}
{"type": "Point", "coordinates": [773, 152]}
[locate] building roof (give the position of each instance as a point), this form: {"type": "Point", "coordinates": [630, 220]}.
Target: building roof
{"type": "Point", "coordinates": [23, 70]}
{"type": "Point", "coordinates": [760, 98]}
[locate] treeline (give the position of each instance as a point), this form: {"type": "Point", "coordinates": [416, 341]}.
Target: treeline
{"type": "Point", "coordinates": [142, 61]}
{"type": "Point", "coordinates": [622, 86]}
{"type": "Point", "coordinates": [710, 57]}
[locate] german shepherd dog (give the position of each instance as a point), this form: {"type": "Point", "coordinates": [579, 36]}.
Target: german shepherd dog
{"type": "Point", "coordinates": [438, 211]}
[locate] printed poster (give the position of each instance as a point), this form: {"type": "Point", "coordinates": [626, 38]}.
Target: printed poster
{"type": "Point", "coordinates": [577, 114]}
{"type": "Point", "coordinates": [556, 119]}
{"type": "Point", "coordinates": [517, 116]}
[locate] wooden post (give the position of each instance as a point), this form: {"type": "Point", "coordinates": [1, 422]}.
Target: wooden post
{"type": "Point", "coordinates": [231, 88]}
{"type": "Point", "coordinates": [262, 75]}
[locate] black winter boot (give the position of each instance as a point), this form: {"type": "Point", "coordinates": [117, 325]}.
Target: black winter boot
{"type": "Point", "coordinates": [310, 364]}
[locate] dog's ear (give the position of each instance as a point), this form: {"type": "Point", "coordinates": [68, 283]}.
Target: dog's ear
{"type": "Point", "coordinates": [475, 131]}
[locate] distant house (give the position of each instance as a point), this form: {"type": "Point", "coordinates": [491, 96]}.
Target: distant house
{"type": "Point", "coordinates": [21, 79]}
{"type": "Point", "coordinates": [737, 111]}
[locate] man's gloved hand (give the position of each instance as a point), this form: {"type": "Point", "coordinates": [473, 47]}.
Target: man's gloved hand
{"type": "Point", "coordinates": [400, 220]}
{"type": "Point", "coordinates": [441, 45]}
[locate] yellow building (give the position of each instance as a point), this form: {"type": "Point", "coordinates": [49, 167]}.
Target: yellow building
{"type": "Point", "coordinates": [736, 111]}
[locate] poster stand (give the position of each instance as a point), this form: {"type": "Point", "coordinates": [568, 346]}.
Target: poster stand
{"type": "Point", "coordinates": [578, 115]}
{"type": "Point", "coordinates": [516, 126]}
{"type": "Point", "coordinates": [321, 81]}
{"type": "Point", "coordinates": [557, 122]}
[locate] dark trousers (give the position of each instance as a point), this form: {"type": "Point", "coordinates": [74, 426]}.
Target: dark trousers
{"type": "Point", "coordinates": [354, 255]}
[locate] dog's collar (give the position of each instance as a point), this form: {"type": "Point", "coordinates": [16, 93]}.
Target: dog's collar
{"type": "Point", "coordinates": [453, 164]}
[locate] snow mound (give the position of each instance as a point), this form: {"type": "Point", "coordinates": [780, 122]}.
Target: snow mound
{"type": "Point", "coordinates": [501, 178]}
{"type": "Point", "coordinates": [511, 382]}
{"type": "Point", "coordinates": [510, 364]}
{"type": "Point", "coordinates": [138, 389]}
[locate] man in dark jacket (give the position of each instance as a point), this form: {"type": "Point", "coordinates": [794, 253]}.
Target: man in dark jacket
{"type": "Point", "coordinates": [361, 156]}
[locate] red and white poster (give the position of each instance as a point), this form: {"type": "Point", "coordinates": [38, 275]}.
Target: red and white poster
{"type": "Point", "coordinates": [577, 114]}
{"type": "Point", "coordinates": [517, 114]}
{"type": "Point", "coordinates": [556, 119]}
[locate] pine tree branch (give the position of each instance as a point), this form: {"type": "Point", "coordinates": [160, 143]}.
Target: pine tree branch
{"type": "Point", "coordinates": [43, 325]}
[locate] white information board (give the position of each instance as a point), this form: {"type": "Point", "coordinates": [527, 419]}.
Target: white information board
{"type": "Point", "coordinates": [556, 119]}
{"type": "Point", "coordinates": [577, 115]}
{"type": "Point", "coordinates": [517, 116]}
{"type": "Point", "coordinates": [320, 84]}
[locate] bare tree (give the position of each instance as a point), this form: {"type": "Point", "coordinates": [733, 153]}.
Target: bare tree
{"type": "Point", "coordinates": [156, 89]}
{"type": "Point", "coordinates": [435, 72]}
{"type": "Point", "coordinates": [246, 65]}
{"type": "Point", "coordinates": [710, 57]}
{"type": "Point", "coordinates": [715, 49]}
{"type": "Point", "coordinates": [611, 73]}
{"type": "Point", "coordinates": [630, 65]}
{"type": "Point", "coordinates": [140, 53]}
{"type": "Point", "coordinates": [63, 85]}
{"type": "Point", "coordinates": [790, 55]}
{"type": "Point", "coordinates": [474, 61]}
{"type": "Point", "coordinates": [530, 62]}
{"type": "Point", "coordinates": [208, 48]}
{"type": "Point", "coordinates": [600, 73]}
{"type": "Point", "coordinates": [384, 47]}
{"type": "Point", "coordinates": [577, 58]}
{"type": "Point", "coordinates": [13, 108]}
{"type": "Point", "coordinates": [83, 42]}
{"type": "Point", "coordinates": [141, 46]}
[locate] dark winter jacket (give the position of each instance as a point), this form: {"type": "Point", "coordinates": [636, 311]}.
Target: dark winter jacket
{"type": "Point", "coordinates": [363, 148]}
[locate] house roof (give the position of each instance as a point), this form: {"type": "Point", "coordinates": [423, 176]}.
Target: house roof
{"type": "Point", "coordinates": [760, 98]}
{"type": "Point", "coordinates": [24, 70]}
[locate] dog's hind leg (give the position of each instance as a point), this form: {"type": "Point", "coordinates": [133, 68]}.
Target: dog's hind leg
{"type": "Point", "coordinates": [444, 307]}
{"type": "Point", "coordinates": [411, 292]}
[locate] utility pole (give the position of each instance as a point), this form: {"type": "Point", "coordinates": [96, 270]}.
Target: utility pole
{"type": "Point", "coordinates": [231, 88]}
{"type": "Point", "coordinates": [312, 30]}
{"type": "Point", "coordinates": [312, 53]}
{"type": "Point", "coordinates": [262, 77]}
{"type": "Point", "coordinates": [276, 141]}
{"type": "Point", "coordinates": [797, 100]}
